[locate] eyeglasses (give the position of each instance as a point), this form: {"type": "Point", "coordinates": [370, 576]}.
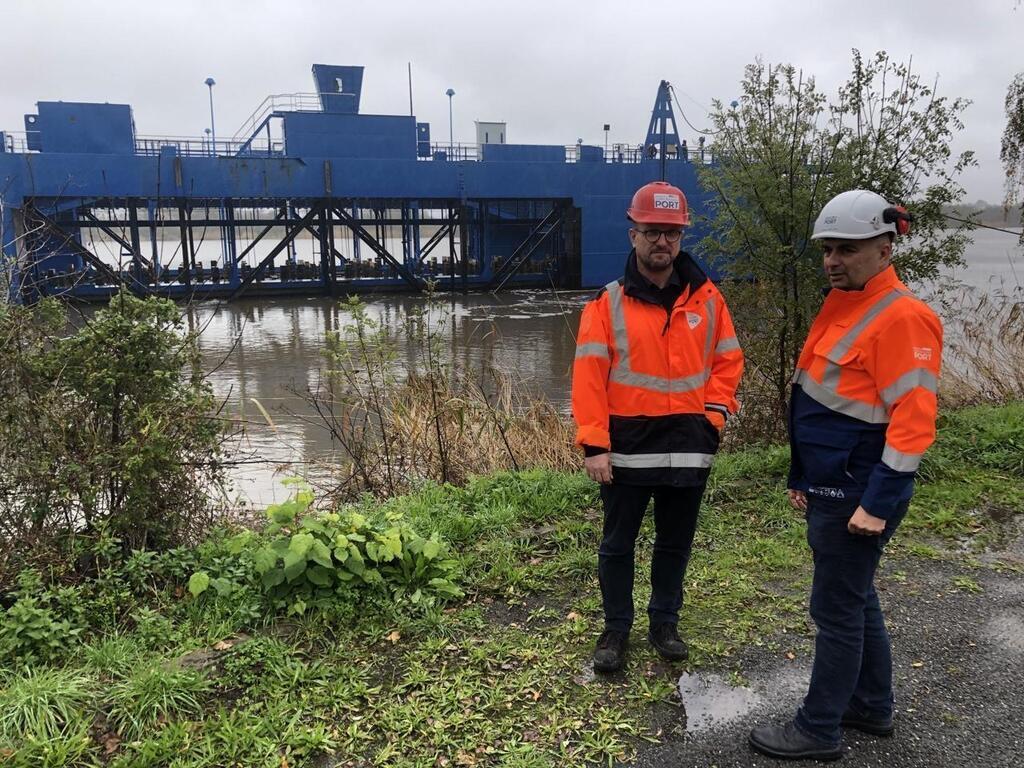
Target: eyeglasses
{"type": "Point", "coordinates": [653, 235]}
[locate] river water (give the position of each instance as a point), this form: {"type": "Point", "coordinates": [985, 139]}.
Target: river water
{"type": "Point", "coordinates": [269, 351]}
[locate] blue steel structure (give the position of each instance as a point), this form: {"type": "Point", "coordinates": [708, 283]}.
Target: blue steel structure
{"type": "Point", "coordinates": [88, 206]}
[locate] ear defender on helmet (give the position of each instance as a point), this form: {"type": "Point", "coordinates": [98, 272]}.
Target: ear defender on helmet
{"type": "Point", "coordinates": [900, 216]}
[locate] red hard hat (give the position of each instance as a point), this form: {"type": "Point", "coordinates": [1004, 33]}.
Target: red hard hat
{"type": "Point", "coordinates": [659, 203]}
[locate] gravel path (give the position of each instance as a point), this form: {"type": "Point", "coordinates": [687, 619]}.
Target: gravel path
{"type": "Point", "coordinates": [958, 648]}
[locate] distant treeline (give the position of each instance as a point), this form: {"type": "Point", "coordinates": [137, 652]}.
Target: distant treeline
{"type": "Point", "coordinates": [995, 214]}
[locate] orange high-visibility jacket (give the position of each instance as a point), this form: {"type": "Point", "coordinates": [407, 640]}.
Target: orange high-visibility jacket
{"type": "Point", "coordinates": [863, 406]}
{"type": "Point", "coordinates": [654, 387]}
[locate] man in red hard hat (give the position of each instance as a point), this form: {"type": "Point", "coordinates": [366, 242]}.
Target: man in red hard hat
{"type": "Point", "coordinates": [655, 376]}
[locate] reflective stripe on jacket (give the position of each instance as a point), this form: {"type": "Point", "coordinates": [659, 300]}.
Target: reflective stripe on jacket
{"type": "Point", "coordinates": [654, 387]}
{"type": "Point", "coordinates": [863, 405]}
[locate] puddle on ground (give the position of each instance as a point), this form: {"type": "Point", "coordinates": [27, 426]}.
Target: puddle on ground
{"type": "Point", "coordinates": [1007, 630]}
{"type": "Point", "coordinates": [709, 701]}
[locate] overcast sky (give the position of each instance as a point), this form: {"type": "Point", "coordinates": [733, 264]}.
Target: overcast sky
{"type": "Point", "coordinates": [554, 71]}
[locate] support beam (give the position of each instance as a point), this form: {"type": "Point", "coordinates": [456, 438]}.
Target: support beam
{"type": "Point", "coordinates": [379, 249]}
{"type": "Point", "coordinates": [526, 249]}
{"type": "Point", "coordinates": [334, 251]}
{"type": "Point", "coordinates": [186, 244]}
{"type": "Point", "coordinates": [304, 222]}
{"type": "Point", "coordinates": [259, 237]}
{"type": "Point", "coordinates": [67, 239]}
{"type": "Point", "coordinates": [133, 249]}
{"type": "Point", "coordinates": [440, 234]}
{"type": "Point", "coordinates": [464, 245]}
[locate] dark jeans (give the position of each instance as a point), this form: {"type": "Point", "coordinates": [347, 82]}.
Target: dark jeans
{"type": "Point", "coordinates": [852, 656]}
{"type": "Point", "coordinates": [675, 520]}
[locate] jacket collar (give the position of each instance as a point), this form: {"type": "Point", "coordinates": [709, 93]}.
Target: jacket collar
{"type": "Point", "coordinates": [684, 268]}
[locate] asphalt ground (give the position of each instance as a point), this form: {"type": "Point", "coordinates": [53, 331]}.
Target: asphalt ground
{"type": "Point", "coordinates": [958, 657]}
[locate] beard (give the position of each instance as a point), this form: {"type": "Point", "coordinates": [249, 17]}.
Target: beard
{"type": "Point", "coordinates": [657, 261]}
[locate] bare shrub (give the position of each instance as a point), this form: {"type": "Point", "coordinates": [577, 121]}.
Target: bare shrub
{"type": "Point", "coordinates": [983, 361]}
{"type": "Point", "coordinates": [401, 420]}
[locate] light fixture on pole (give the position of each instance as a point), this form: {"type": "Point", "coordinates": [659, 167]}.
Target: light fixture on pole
{"type": "Point", "coordinates": [607, 127]}
{"type": "Point", "coordinates": [209, 143]}
{"type": "Point", "coordinates": [451, 132]}
{"type": "Point", "coordinates": [210, 82]}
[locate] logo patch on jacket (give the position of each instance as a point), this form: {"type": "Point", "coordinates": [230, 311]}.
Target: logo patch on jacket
{"type": "Point", "coordinates": [692, 320]}
{"type": "Point", "coordinates": [922, 353]}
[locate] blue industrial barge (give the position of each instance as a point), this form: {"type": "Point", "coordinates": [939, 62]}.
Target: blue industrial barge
{"type": "Point", "coordinates": [311, 197]}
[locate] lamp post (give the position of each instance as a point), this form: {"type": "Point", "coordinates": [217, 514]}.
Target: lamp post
{"type": "Point", "coordinates": [210, 82]}
{"type": "Point", "coordinates": [607, 127]}
{"type": "Point", "coordinates": [451, 133]}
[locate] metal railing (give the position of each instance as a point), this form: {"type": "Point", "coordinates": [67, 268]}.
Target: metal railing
{"type": "Point", "coordinates": [615, 153]}
{"type": "Point", "coordinates": [261, 146]}
{"type": "Point", "coordinates": [15, 142]}
{"type": "Point", "coordinates": [187, 146]}
{"type": "Point", "coordinates": [279, 102]}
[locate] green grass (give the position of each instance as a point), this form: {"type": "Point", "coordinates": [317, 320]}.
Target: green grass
{"type": "Point", "coordinates": [502, 676]}
{"type": "Point", "coordinates": [42, 702]}
{"type": "Point", "coordinates": [154, 695]}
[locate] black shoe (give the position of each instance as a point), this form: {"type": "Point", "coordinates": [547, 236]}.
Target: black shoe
{"type": "Point", "coordinates": [610, 653]}
{"type": "Point", "coordinates": [666, 642]}
{"type": "Point", "coordinates": [788, 743]}
{"type": "Point", "coordinates": [876, 726]}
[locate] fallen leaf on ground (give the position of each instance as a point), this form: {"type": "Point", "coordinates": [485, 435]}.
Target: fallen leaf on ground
{"type": "Point", "coordinates": [394, 637]}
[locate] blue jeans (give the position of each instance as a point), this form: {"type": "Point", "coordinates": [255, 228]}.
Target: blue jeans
{"type": "Point", "coordinates": [675, 521]}
{"type": "Point", "coordinates": [852, 657]}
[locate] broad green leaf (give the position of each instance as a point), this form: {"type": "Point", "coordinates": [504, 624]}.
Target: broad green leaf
{"type": "Point", "coordinates": [310, 523]}
{"type": "Point", "coordinates": [319, 553]}
{"type": "Point", "coordinates": [431, 548]}
{"type": "Point", "coordinates": [272, 578]}
{"type": "Point", "coordinates": [371, 551]}
{"type": "Point", "coordinates": [300, 543]}
{"type": "Point", "coordinates": [445, 587]}
{"type": "Point", "coordinates": [319, 575]}
{"type": "Point", "coordinates": [280, 546]}
{"type": "Point", "coordinates": [294, 570]}
{"type": "Point", "coordinates": [264, 559]}
{"type": "Point", "coordinates": [198, 583]}
{"type": "Point", "coordinates": [223, 586]}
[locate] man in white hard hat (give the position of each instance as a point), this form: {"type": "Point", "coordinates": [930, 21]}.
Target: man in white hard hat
{"type": "Point", "coordinates": [862, 414]}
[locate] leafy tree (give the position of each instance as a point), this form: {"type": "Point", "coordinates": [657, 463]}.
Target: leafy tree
{"type": "Point", "coordinates": [782, 151]}
{"type": "Point", "coordinates": [1012, 150]}
{"type": "Point", "coordinates": [105, 427]}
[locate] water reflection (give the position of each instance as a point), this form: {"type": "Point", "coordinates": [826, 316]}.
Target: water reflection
{"type": "Point", "coordinates": [269, 351]}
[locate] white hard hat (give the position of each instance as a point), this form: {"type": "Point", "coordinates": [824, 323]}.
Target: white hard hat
{"type": "Point", "coordinates": [858, 215]}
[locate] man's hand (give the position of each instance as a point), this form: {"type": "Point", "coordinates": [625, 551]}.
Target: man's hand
{"type": "Point", "coordinates": [599, 468]}
{"type": "Point", "coordinates": [798, 500]}
{"type": "Point", "coordinates": [865, 524]}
